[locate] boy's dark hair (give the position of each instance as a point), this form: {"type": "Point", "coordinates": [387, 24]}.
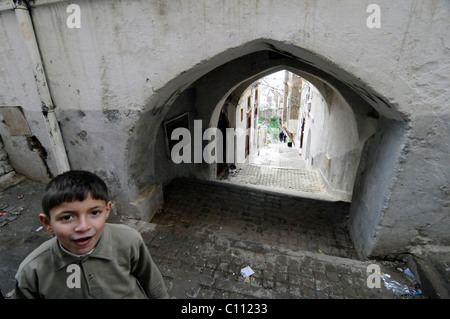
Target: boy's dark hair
{"type": "Point", "coordinates": [73, 186]}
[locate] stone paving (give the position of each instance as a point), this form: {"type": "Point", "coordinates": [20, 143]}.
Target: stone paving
{"type": "Point", "coordinates": [298, 248]}
{"type": "Point", "coordinates": [280, 168]}
{"type": "Point", "coordinates": [208, 231]}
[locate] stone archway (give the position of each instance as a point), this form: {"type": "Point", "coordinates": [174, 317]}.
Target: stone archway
{"type": "Point", "coordinates": [209, 93]}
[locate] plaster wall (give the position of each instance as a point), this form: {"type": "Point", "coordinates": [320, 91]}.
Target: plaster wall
{"type": "Point", "coordinates": [18, 90]}
{"type": "Point", "coordinates": [246, 110]}
{"type": "Point", "coordinates": [335, 140]}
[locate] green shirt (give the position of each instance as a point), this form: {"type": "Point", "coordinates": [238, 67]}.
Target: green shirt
{"type": "Point", "coordinates": [119, 267]}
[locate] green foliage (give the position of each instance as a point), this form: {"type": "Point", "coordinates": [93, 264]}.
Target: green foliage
{"type": "Point", "coordinates": [273, 127]}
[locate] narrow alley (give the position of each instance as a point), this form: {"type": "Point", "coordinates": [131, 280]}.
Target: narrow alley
{"type": "Point", "coordinates": [280, 168]}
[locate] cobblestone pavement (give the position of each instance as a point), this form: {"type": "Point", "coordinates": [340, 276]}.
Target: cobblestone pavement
{"type": "Point", "coordinates": [19, 237]}
{"type": "Point", "coordinates": [298, 248]}
{"type": "Point", "coordinates": [280, 168]}
{"type": "Point", "coordinates": [208, 231]}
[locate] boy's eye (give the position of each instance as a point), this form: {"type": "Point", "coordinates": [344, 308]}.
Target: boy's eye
{"type": "Point", "coordinates": [66, 217]}
{"type": "Point", "coordinates": [95, 212]}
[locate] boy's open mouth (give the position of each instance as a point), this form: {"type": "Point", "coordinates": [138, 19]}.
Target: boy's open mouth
{"type": "Point", "coordinates": [83, 241]}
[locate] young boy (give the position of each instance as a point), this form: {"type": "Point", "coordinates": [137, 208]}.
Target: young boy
{"type": "Point", "coordinates": [88, 258]}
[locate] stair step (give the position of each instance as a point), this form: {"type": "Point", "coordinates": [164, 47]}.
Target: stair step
{"type": "Point", "coordinates": [199, 265]}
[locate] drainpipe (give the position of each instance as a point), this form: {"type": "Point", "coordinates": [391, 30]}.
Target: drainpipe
{"type": "Point", "coordinates": [29, 36]}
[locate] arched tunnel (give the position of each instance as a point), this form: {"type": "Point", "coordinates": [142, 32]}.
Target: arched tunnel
{"type": "Point", "coordinates": [380, 128]}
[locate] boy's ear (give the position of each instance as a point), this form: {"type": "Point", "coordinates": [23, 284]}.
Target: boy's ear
{"type": "Point", "coordinates": [45, 221]}
{"type": "Point", "coordinates": [108, 209]}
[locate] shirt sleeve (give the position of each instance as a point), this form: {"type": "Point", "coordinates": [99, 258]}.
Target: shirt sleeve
{"type": "Point", "coordinates": [148, 274]}
{"type": "Point", "coordinates": [25, 288]}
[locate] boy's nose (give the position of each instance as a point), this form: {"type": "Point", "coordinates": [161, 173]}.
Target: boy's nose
{"type": "Point", "coordinates": [82, 225]}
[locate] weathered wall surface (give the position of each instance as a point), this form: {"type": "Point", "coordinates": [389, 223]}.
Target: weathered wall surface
{"type": "Point", "coordinates": [18, 90]}
{"type": "Point", "coordinates": [246, 109]}
{"type": "Point", "coordinates": [337, 135]}
{"type": "Point", "coordinates": [114, 79]}
{"type": "Point", "coordinates": [7, 172]}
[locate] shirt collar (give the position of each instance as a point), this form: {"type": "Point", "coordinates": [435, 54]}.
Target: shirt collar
{"type": "Point", "coordinates": [72, 254]}
{"type": "Point", "coordinates": [102, 250]}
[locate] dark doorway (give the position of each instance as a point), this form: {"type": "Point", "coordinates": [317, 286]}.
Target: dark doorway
{"type": "Point", "coordinates": [222, 126]}
{"type": "Point", "coordinates": [247, 137]}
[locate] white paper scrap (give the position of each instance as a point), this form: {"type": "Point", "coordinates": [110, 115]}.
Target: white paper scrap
{"type": "Point", "coordinates": [247, 272]}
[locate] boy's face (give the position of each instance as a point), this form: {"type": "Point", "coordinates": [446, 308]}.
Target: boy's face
{"type": "Point", "coordinates": [78, 225]}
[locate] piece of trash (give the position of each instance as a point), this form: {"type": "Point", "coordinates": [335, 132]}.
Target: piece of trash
{"type": "Point", "coordinates": [16, 210]}
{"type": "Point", "coordinates": [9, 213]}
{"type": "Point", "coordinates": [8, 209]}
{"type": "Point", "coordinates": [248, 279]}
{"type": "Point", "coordinates": [10, 294]}
{"type": "Point", "coordinates": [400, 289]}
{"type": "Point", "coordinates": [246, 273]}
{"type": "Point", "coordinates": [12, 218]}
{"type": "Point", "coordinates": [409, 273]}
{"type": "Point", "coordinates": [396, 287]}
{"type": "Point", "coordinates": [416, 289]}
{"type": "Point", "coordinates": [447, 268]}
{"type": "Point", "coordinates": [320, 252]}
{"type": "Point", "coordinates": [232, 171]}
{"type": "Point", "coordinates": [39, 228]}
{"type": "Point", "coordinates": [20, 197]}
